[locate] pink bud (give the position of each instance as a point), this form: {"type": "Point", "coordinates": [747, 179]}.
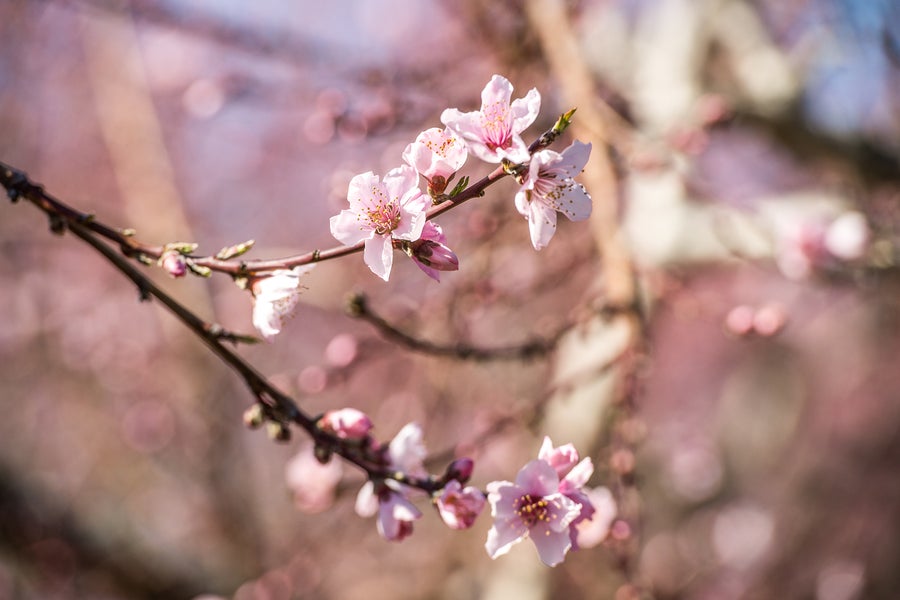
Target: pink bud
{"type": "Point", "coordinates": [458, 506]}
{"type": "Point", "coordinates": [346, 423]}
{"type": "Point", "coordinates": [435, 255]}
{"type": "Point", "coordinates": [173, 263]}
{"type": "Point", "coordinates": [460, 470]}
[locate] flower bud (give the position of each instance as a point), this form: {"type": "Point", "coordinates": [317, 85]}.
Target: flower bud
{"type": "Point", "coordinates": [254, 417]}
{"type": "Point", "coordinates": [173, 263]}
{"type": "Point", "coordinates": [458, 506]}
{"type": "Point", "coordinates": [460, 470]}
{"type": "Point", "coordinates": [434, 255]}
{"type": "Point", "coordinates": [278, 432]}
{"type": "Point", "coordinates": [346, 424]}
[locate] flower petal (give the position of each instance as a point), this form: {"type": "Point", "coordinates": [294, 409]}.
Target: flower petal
{"type": "Point", "coordinates": [379, 255]}
{"type": "Point", "coordinates": [348, 229]}
{"type": "Point", "coordinates": [504, 534]}
{"type": "Point", "coordinates": [525, 110]}
{"type": "Point", "coordinates": [551, 545]}
{"type": "Point", "coordinates": [541, 224]}
{"type": "Point", "coordinates": [537, 478]}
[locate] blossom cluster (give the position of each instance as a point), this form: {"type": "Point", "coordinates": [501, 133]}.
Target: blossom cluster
{"type": "Point", "coordinates": [548, 502]}
{"type": "Point", "coordinates": [390, 212]}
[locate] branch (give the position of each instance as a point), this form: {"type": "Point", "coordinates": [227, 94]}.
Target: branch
{"type": "Point", "coordinates": [273, 404]}
{"type": "Point", "coordinates": [358, 307]}
{"type": "Point", "coordinates": [18, 185]}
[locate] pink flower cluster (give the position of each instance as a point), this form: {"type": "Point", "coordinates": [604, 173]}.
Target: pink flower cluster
{"type": "Point", "coordinates": [392, 212]}
{"type": "Point", "coordinates": [458, 506]}
{"type": "Point", "coordinates": [548, 503]}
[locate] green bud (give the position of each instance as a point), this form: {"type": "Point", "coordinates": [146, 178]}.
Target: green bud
{"type": "Point", "coordinates": [236, 250]}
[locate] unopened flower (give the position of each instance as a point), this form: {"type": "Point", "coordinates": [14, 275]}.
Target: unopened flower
{"type": "Point", "coordinates": [346, 423]}
{"type": "Point", "coordinates": [549, 187]}
{"type": "Point", "coordinates": [173, 263]}
{"type": "Point", "coordinates": [431, 254]}
{"type": "Point", "coordinates": [460, 470]}
{"type": "Point", "coordinates": [436, 154]}
{"type": "Point", "coordinates": [395, 512]}
{"type": "Point", "coordinates": [275, 296]}
{"type": "Point", "coordinates": [492, 133]}
{"type": "Point", "coordinates": [381, 211]}
{"type": "Point", "coordinates": [459, 506]}
{"type": "Point", "coordinates": [531, 507]}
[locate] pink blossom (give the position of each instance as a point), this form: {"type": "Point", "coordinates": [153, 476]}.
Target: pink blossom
{"type": "Point", "coordinates": [275, 296]}
{"type": "Point", "coordinates": [492, 133]}
{"type": "Point", "coordinates": [549, 187]}
{"type": "Point", "coordinates": [591, 532]}
{"type": "Point", "coordinates": [532, 506]}
{"type": "Point", "coordinates": [346, 423]}
{"type": "Point", "coordinates": [406, 452]}
{"type": "Point", "coordinates": [436, 154]}
{"type": "Point", "coordinates": [395, 513]}
{"type": "Point", "coordinates": [431, 254]}
{"type": "Point", "coordinates": [311, 482]}
{"type": "Point", "coordinates": [458, 506]}
{"type": "Point", "coordinates": [381, 211]}
{"type": "Point", "coordinates": [173, 263]}
{"type": "Point", "coordinates": [574, 476]}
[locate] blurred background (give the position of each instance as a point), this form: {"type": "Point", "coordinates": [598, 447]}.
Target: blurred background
{"type": "Point", "coordinates": [731, 311]}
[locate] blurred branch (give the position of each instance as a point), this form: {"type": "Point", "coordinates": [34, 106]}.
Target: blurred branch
{"type": "Point", "coordinates": [872, 163]}
{"type": "Point", "coordinates": [27, 513]}
{"type": "Point", "coordinates": [358, 307]}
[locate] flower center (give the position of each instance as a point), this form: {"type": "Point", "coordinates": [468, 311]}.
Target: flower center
{"type": "Point", "coordinates": [497, 128]}
{"type": "Point", "coordinates": [384, 218]}
{"type": "Point", "coordinates": [532, 509]}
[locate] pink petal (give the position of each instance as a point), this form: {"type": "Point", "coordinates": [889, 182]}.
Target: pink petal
{"type": "Point", "coordinates": [577, 477]}
{"type": "Point", "coordinates": [498, 90]}
{"type": "Point", "coordinates": [538, 479]}
{"type": "Point", "coordinates": [525, 110]}
{"type": "Point", "coordinates": [359, 192]}
{"type": "Point", "coordinates": [348, 229]}
{"type": "Point", "coordinates": [575, 157]}
{"type": "Point", "coordinates": [574, 202]}
{"type": "Point", "coordinates": [379, 255]}
{"type": "Point", "coordinates": [504, 535]}
{"type": "Point", "coordinates": [541, 224]}
{"type": "Point", "coordinates": [551, 545]}
{"type": "Point", "coordinates": [366, 501]}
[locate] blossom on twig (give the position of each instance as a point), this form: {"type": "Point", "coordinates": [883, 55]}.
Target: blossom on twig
{"type": "Point", "coordinates": [275, 296]}
{"type": "Point", "coordinates": [549, 187]}
{"type": "Point", "coordinates": [493, 133]}
{"type": "Point", "coordinates": [395, 512]}
{"type": "Point", "coordinates": [381, 210]}
{"type": "Point", "coordinates": [436, 155]}
{"type": "Point", "coordinates": [531, 507]}
{"type": "Point", "coordinates": [459, 506]}
{"type": "Point", "coordinates": [430, 252]}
